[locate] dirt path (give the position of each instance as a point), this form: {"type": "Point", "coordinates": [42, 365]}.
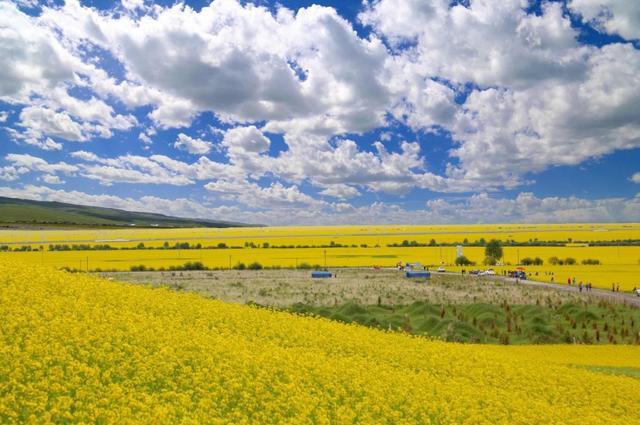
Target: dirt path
{"type": "Point", "coordinates": [621, 297]}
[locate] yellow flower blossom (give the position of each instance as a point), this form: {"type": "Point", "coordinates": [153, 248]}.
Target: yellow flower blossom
{"type": "Point", "coordinates": [76, 348]}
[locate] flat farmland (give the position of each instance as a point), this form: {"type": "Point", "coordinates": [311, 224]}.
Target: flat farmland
{"type": "Point", "coordinates": [618, 264]}
{"type": "Point", "coordinates": [381, 235]}
{"type": "Point", "coordinates": [344, 246]}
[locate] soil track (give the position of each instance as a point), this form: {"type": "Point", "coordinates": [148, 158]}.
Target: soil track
{"type": "Point", "coordinates": [622, 297]}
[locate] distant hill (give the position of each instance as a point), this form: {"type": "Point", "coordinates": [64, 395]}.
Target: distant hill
{"type": "Point", "coordinates": [27, 213]}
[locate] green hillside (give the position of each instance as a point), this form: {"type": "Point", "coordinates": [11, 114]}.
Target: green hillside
{"type": "Point", "coordinates": [21, 212]}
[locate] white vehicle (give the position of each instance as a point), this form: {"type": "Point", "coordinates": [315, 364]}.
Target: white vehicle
{"type": "Point", "coordinates": [490, 272]}
{"type": "Point", "coordinates": [441, 269]}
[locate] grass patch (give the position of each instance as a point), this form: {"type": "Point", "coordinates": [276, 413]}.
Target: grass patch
{"type": "Point", "coordinates": [494, 323]}
{"type": "Point", "coordinates": [631, 372]}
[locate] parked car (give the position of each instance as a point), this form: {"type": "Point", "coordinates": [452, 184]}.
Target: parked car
{"type": "Point", "coordinates": [441, 269]}
{"type": "Point", "coordinates": [490, 272]}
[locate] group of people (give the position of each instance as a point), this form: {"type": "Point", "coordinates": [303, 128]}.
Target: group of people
{"type": "Point", "coordinates": [517, 274]}
{"type": "Point", "coordinates": [587, 286]}
{"type": "Point", "coordinates": [615, 287]}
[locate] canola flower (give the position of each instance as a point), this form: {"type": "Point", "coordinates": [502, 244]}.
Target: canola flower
{"type": "Point", "coordinates": [619, 264]}
{"type": "Point", "coordinates": [79, 349]}
{"type": "Point", "coordinates": [367, 246]}
{"type": "Point", "coordinates": [322, 235]}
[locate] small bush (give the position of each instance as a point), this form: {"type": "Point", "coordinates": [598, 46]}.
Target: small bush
{"type": "Point", "coordinates": [464, 261]}
{"type": "Point", "coordinates": [590, 262]}
{"type": "Point", "coordinates": [528, 261]}
{"type": "Point", "coordinates": [490, 261]}
{"type": "Point", "coordinates": [255, 266]}
{"type": "Point", "coordinates": [570, 261]}
{"type": "Point", "coordinates": [240, 266]}
{"type": "Point", "coordinates": [196, 265]}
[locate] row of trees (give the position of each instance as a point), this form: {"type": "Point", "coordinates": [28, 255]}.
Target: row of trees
{"type": "Point", "coordinates": [493, 248]}
{"type": "Point", "coordinates": [198, 265]}
{"type": "Point", "coordinates": [493, 254]}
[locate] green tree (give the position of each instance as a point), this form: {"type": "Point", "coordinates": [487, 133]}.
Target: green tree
{"type": "Point", "coordinates": [494, 249]}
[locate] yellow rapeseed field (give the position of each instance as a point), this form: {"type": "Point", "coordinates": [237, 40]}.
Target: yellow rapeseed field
{"type": "Point", "coordinates": [323, 235]}
{"type": "Point", "coordinates": [619, 264]}
{"type": "Point", "coordinates": [75, 348]}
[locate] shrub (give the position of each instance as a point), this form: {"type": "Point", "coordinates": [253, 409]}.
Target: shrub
{"type": "Point", "coordinates": [255, 266]}
{"type": "Point", "coordinates": [490, 261]}
{"type": "Point", "coordinates": [304, 266]}
{"type": "Point", "coordinates": [240, 266]}
{"type": "Point", "coordinates": [590, 262]}
{"type": "Point", "coordinates": [570, 261]}
{"type": "Point", "coordinates": [464, 261]}
{"type": "Point", "coordinates": [528, 261]}
{"type": "Point", "coordinates": [196, 265]}
{"type": "Point", "coordinates": [138, 268]}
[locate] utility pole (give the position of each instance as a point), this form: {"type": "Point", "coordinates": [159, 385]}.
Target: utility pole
{"type": "Point", "coordinates": [229, 262]}
{"type": "Point", "coordinates": [325, 258]}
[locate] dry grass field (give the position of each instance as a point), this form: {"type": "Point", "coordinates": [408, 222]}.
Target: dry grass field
{"type": "Point", "coordinates": [283, 288]}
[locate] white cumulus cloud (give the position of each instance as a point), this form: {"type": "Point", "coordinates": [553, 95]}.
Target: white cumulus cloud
{"type": "Point", "coordinates": [192, 145]}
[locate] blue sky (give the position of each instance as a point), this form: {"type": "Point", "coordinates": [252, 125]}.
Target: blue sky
{"type": "Point", "coordinates": [301, 112]}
